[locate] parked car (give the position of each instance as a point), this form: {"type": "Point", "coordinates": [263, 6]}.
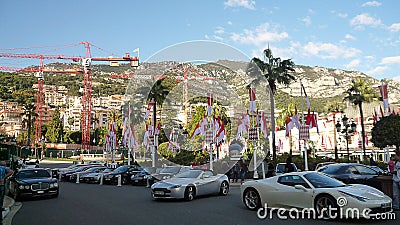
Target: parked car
{"type": "Point", "coordinates": [141, 177]}
{"type": "Point", "coordinates": [280, 168]}
{"type": "Point", "coordinates": [187, 185]}
{"type": "Point", "coordinates": [353, 173]}
{"type": "Point", "coordinates": [380, 171]}
{"type": "Point", "coordinates": [319, 165]}
{"type": "Point", "coordinates": [96, 176]}
{"type": "Point", "coordinates": [125, 171]}
{"type": "Point", "coordinates": [34, 182]}
{"type": "Point", "coordinates": [57, 171]}
{"type": "Point", "coordinates": [30, 164]}
{"type": "Point", "coordinates": [95, 162]}
{"type": "Point", "coordinates": [166, 173]}
{"type": "Point", "coordinates": [66, 175]}
{"type": "Point", "coordinates": [85, 172]}
{"type": "Point", "coordinates": [313, 190]}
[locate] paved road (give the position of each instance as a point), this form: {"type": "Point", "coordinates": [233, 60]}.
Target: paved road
{"type": "Point", "coordinates": [105, 204]}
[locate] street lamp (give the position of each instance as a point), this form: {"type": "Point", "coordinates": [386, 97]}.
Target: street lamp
{"type": "Point", "coordinates": [346, 131]}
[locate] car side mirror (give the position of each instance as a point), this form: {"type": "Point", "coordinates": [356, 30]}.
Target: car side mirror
{"type": "Point", "coordinates": [300, 187]}
{"type": "Point", "coordinates": [205, 176]}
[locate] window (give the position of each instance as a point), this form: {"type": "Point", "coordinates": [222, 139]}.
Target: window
{"type": "Point", "coordinates": [293, 180]}
{"type": "Point", "coordinates": [365, 170]}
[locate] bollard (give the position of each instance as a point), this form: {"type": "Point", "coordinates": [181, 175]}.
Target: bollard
{"type": "Point", "coordinates": [147, 182]}
{"type": "Point", "coordinates": [59, 177]}
{"type": "Point", "coordinates": [101, 179]}
{"type": "Point", "coordinates": [77, 178]}
{"type": "Point", "coordinates": [119, 181]}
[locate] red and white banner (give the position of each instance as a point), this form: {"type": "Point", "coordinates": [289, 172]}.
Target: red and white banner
{"type": "Point", "coordinates": [384, 93]}
{"type": "Point", "coordinates": [253, 105]}
{"type": "Point", "coordinates": [149, 107]}
{"type": "Point", "coordinates": [209, 103]}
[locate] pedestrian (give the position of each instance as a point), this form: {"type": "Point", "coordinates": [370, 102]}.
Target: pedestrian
{"type": "Point", "coordinates": [4, 173]}
{"type": "Point", "coordinates": [243, 171]}
{"type": "Point", "coordinates": [235, 172]}
{"type": "Point", "coordinates": [391, 165]}
{"type": "Point", "coordinates": [396, 182]}
{"type": "Point", "coordinates": [288, 166]}
{"type": "Point", "coordinates": [372, 161]}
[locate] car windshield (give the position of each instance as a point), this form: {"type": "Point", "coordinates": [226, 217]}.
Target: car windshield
{"type": "Point", "coordinates": [319, 180]}
{"type": "Point", "coordinates": [30, 174]}
{"type": "Point", "coordinates": [150, 170]}
{"type": "Point", "coordinates": [189, 174]}
{"type": "Point", "coordinates": [92, 169]}
{"type": "Point", "coordinates": [83, 168]}
{"type": "Point", "coordinates": [30, 163]}
{"type": "Point", "coordinates": [107, 170]}
{"type": "Point", "coordinates": [172, 169]}
{"type": "Point", "coordinates": [121, 169]}
{"type": "Point", "coordinates": [330, 169]}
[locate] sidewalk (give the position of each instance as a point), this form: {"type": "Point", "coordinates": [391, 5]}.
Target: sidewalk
{"type": "Point", "coordinates": [7, 204]}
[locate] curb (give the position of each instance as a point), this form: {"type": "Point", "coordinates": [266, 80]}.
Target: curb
{"type": "Point", "coordinates": [7, 204]}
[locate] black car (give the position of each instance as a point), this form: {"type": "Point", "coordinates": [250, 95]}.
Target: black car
{"type": "Point", "coordinates": [141, 177]}
{"type": "Point", "coordinates": [125, 171]}
{"type": "Point", "coordinates": [66, 175]}
{"type": "Point", "coordinates": [33, 182]}
{"type": "Point", "coordinates": [352, 173]}
{"type": "Point", "coordinates": [166, 173]}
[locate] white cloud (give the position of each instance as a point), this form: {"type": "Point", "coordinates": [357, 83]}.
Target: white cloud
{"type": "Point", "coordinates": [380, 70]}
{"type": "Point", "coordinates": [229, 23]}
{"type": "Point", "coordinates": [219, 30]}
{"type": "Point", "coordinates": [329, 51]}
{"type": "Point", "coordinates": [394, 27]}
{"type": "Point", "coordinates": [218, 38]}
{"type": "Point", "coordinates": [353, 64]}
{"type": "Point", "coordinates": [249, 4]}
{"type": "Point", "coordinates": [372, 3]}
{"type": "Point", "coordinates": [365, 20]}
{"type": "Point", "coordinates": [307, 20]}
{"type": "Point", "coordinates": [350, 37]}
{"type": "Point", "coordinates": [390, 60]}
{"type": "Point", "coordinates": [260, 36]}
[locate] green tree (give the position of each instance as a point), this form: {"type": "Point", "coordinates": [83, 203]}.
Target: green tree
{"type": "Point", "coordinates": [360, 91]}
{"type": "Point", "coordinates": [274, 70]}
{"type": "Point", "coordinates": [29, 115]}
{"type": "Point", "coordinates": [387, 132]}
{"type": "Point", "coordinates": [54, 132]}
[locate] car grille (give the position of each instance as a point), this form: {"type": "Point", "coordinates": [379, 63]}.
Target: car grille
{"type": "Point", "coordinates": [380, 210]}
{"type": "Point", "coordinates": [40, 186]}
{"type": "Point", "coordinates": [161, 192]}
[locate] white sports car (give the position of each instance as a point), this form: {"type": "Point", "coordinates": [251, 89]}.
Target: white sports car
{"type": "Point", "coordinates": [189, 184]}
{"type": "Point", "coordinates": [317, 193]}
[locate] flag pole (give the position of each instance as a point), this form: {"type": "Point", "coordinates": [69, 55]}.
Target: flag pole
{"type": "Point", "coordinates": [302, 117]}
{"type": "Point", "coordinates": [129, 140]}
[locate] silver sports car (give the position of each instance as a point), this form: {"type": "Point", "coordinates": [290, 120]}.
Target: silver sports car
{"type": "Point", "coordinates": [189, 184]}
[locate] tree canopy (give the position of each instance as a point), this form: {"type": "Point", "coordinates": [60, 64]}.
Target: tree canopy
{"type": "Point", "coordinates": [386, 132]}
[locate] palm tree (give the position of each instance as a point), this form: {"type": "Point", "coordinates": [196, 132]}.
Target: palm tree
{"type": "Point", "coordinates": [334, 107]}
{"type": "Point", "coordinates": [275, 71]}
{"type": "Point", "coordinates": [29, 114]}
{"type": "Point", "coordinates": [360, 91]}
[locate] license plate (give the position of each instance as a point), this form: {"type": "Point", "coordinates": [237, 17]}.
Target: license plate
{"type": "Point", "coordinates": [159, 192]}
{"type": "Point", "coordinates": [135, 181]}
{"type": "Point", "coordinates": [107, 178]}
{"type": "Point", "coordinates": [40, 192]}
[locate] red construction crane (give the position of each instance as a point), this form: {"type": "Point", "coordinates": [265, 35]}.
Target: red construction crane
{"type": "Point", "coordinates": [87, 73]}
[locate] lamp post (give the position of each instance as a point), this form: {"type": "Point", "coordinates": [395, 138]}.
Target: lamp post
{"type": "Point", "coordinates": [346, 131]}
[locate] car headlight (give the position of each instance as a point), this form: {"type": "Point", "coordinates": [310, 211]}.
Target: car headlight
{"type": "Point", "coordinates": [176, 186]}
{"type": "Point", "coordinates": [55, 184]}
{"type": "Point", "coordinates": [165, 177]}
{"type": "Point", "coordinates": [21, 187]}
{"type": "Point", "coordinates": [51, 185]}
{"type": "Point", "coordinates": [359, 198]}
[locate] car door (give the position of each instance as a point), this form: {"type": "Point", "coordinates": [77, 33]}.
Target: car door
{"type": "Point", "coordinates": [207, 184]}
{"type": "Point", "coordinates": [368, 176]}
{"type": "Point", "coordinates": [292, 197]}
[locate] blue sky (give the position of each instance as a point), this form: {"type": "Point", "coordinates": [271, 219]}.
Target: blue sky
{"type": "Point", "coordinates": [352, 35]}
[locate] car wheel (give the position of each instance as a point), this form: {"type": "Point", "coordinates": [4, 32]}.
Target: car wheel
{"type": "Point", "coordinates": [251, 199]}
{"type": "Point", "coordinates": [324, 206]}
{"type": "Point", "coordinates": [224, 188]}
{"type": "Point", "coordinates": [190, 193]}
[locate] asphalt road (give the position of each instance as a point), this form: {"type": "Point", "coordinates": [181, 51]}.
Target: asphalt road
{"type": "Point", "coordinates": [105, 204]}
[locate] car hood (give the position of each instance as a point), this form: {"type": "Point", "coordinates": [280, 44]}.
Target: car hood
{"type": "Point", "coordinates": [174, 181]}
{"type": "Point", "coordinates": [160, 176]}
{"type": "Point", "coordinates": [36, 180]}
{"type": "Point", "coordinates": [362, 190]}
